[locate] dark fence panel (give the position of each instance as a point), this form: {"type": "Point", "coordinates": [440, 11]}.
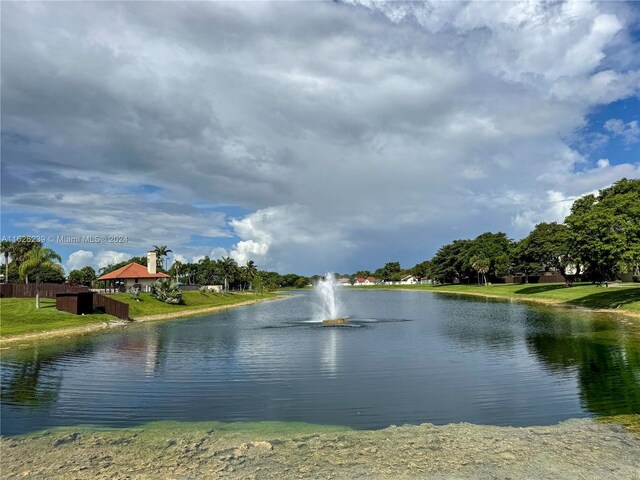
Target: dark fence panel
{"type": "Point", "coordinates": [80, 303]}
{"type": "Point", "coordinates": [554, 278]}
{"type": "Point", "coordinates": [47, 290]}
{"type": "Point", "coordinates": [112, 307]}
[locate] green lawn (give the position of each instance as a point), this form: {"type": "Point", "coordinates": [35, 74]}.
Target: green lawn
{"type": "Point", "coordinates": [191, 299]}
{"type": "Point", "coordinates": [625, 297]}
{"type": "Point", "coordinates": [19, 316]}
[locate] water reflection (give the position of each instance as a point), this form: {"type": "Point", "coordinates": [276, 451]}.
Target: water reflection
{"type": "Point", "coordinates": [605, 359]}
{"type": "Point", "coordinates": [34, 376]}
{"type": "Point", "coordinates": [456, 359]}
{"type": "Point", "coordinates": [329, 354]}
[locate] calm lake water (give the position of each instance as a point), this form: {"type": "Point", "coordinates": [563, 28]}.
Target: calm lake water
{"type": "Point", "coordinates": [410, 357]}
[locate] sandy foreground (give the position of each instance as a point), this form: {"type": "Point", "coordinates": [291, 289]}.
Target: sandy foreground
{"type": "Point", "coordinates": [576, 449]}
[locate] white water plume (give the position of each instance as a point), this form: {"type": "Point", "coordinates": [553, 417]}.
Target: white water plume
{"type": "Point", "coordinates": [325, 289]}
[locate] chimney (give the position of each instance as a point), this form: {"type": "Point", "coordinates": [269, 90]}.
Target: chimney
{"type": "Point", "coordinates": [152, 262]}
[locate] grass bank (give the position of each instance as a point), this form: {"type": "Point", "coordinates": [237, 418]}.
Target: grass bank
{"type": "Point", "coordinates": [573, 449]}
{"type": "Point", "coordinates": [193, 302]}
{"type": "Point", "coordinates": [20, 320]}
{"type": "Point", "coordinates": [19, 316]}
{"type": "Point", "coordinates": [625, 298]}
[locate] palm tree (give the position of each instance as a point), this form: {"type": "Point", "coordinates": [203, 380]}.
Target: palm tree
{"type": "Point", "coordinates": [161, 252]}
{"type": "Point", "coordinates": [482, 266]}
{"type": "Point", "coordinates": [20, 249]}
{"type": "Point", "coordinates": [35, 262]}
{"type": "Point", "coordinates": [250, 272]}
{"type": "Point", "coordinates": [7, 249]}
{"type": "Point", "coordinates": [177, 268]}
{"type": "Point", "coordinates": [228, 267]}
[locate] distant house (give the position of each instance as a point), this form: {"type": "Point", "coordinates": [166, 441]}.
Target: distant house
{"type": "Point", "coordinates": [135, 275]}
{"type": "Point", "coordinates": [408, 280]}
{"type": "Point", "coordinates": [344, 281]}
{"type": "Point", "coordinates": [365, 281]}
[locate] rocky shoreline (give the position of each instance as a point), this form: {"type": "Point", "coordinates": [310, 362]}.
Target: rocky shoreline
{"type": "Point", "coordinates": [576, 449]}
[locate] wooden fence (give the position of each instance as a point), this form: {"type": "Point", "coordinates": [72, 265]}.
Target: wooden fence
{"type": "Point", "coordinates": [553, 278]}
{"type": "Point", "coordinates": [51, 290]}
{"type": "Point", "coordinates": [112, 307]}
{"type": "Point", "coordinates": [47, 290]}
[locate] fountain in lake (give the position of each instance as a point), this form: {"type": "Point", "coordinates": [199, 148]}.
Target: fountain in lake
{"type": "Point", "coordinates": [325, 289]}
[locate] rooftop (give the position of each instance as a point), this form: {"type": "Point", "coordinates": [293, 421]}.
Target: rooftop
{"type": "Point", "coordinates": [132, 270]}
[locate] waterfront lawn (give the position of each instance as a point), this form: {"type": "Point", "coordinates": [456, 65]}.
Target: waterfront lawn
{"type": "Point", "coordinates": [624, 297]}
{"type": "Point", "coordinates": [19, 316]}
{"type": "Point", "coordinates": [192, 300]}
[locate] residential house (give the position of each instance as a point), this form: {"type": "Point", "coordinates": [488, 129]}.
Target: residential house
{"type": "Point", "coordinates": [408, 280]}
{"type": "Point", "coordinates": [135, 275]}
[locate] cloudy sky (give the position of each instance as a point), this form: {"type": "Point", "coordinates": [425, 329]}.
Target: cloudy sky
{"type": "Point", "coordinates": [309, 136]}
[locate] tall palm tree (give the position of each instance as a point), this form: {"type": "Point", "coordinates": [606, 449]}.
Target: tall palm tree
{"type": "Point", "coordinates": [482, 266]}
{"type": "Point", "coordinates": [228, 267]}
{"type": "Point", "coordinates": [21, 248]}
{"type": "Point", "coordinates": [250, 272]}
{"type": "Point", "coordinates": [7, 249]}
{"type": "Point", "coordinates": [161, 252]}
{"type": "Point", "coordinates": [35, 262]}
{"type": "Point", "coordinates": [177, 268]}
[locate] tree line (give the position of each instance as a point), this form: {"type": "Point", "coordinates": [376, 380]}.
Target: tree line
{"type": "Point", "coordinates": [599, 241]}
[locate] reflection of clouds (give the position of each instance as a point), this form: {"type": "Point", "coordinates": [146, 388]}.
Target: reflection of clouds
{"type": "Point", "coordinates": [499, 326]}
{"type": "Point", "coordinates": [151, 361]}
{"type": "Point", "coordinates": [329, 352]}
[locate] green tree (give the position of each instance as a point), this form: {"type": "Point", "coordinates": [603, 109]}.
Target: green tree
{"type": "Point", "coordinates": [450, 262]}
{"type": "Point", "coordinates": [494, 247]}
{"type": "Point", "coordinates": [523, 261]}
{"type": "Point", "coordinates": [362, 274]}
{"type": "Point", "coordinates": [606, 230]}
{"type": "Point", "coordinates": [422, 270]}
{"type": "Point", "coordinates": [550, 245]}
{"type": "Point", "coordinates": [176, 269]}
{"type": "Point", "coordinates": [7, 248]}
{"type": "Point", "coordinates": [36, 261]}
{"type": "Point", "coordinates": [21, 247]}
{"type": "Point", "coordinates": [84, 276]}
{"type": "Point", "coordinates": [482, 266]}
{"type": "Point", "coordinates": [161, 252]}
{"type": "Point", "coordinates": [390, 271]}
{"type": "Point", "coordinates": [250, 272]}
{"type": "Point", "coordinates": [228, 269]}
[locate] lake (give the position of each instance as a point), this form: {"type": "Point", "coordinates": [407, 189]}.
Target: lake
{"type": "Point", "coordinates": [407, 357]}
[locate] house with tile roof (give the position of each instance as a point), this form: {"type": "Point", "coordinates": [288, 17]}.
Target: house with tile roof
{"type": "Point", "coordinates": [135, 275]}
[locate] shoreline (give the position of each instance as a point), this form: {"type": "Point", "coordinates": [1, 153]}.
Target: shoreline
{"type": "Point", "coordinates": [544, 301]}
{"type": "Point", "coordinates": [96, 327]}
{"type": "Point", "coordinates": [575, 448]}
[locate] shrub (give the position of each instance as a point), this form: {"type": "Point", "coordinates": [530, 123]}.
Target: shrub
{"type": "Point", "coordinates": [203, 290]}
{"type": "Point", "coordinates": [134, 293]}
{"type": "Point", "coordinates": [636, 278]}
{"type": "Point", "coordinates": [166, 291]}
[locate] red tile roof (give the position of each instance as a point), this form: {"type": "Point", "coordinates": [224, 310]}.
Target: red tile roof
{"type": "Point", "coordinates": [132, 270]}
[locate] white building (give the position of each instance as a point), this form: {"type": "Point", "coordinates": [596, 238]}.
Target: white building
{"type": "Point", "coordinates": [408, 280]}
{"type": "Point", "coordinates": [135, 275]}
